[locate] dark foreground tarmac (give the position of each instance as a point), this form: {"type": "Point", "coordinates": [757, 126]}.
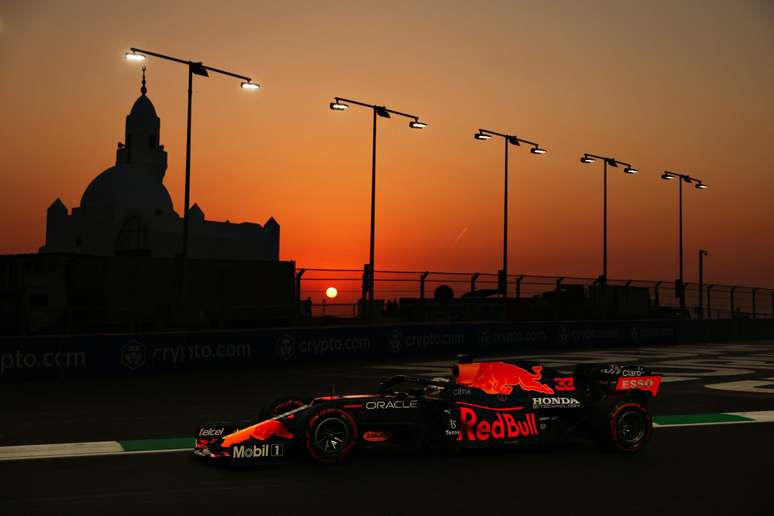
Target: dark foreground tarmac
{"type": "Point", "coordinates": [724, 469]}
{"type": "Point", "coordinates": [721, 470]}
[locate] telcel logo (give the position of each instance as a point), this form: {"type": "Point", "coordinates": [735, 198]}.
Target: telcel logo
{"type": "Point", "coordinates": [397, 404]}
{"type": "Point", "coordinates": [257, 452]}
{"type": "Point", "coordinates": [211, 432]}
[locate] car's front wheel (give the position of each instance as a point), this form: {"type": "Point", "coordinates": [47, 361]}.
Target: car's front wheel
{"type": "Point", "coordinates": [330, 434]}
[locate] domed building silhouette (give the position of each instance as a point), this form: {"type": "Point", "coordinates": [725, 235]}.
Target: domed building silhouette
{"type": "Point", "coordinates": [127, 210]}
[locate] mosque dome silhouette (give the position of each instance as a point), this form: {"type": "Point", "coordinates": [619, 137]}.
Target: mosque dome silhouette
{"type": "Point", "coordinates": [143, 107]}
{"type": "Point", "coordinates": [121, 189]}
{"type": "Point", "coordinates": [135, 183]}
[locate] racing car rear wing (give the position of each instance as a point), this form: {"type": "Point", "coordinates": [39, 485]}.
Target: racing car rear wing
{"type": "Point", "coordinates": [608, 378]}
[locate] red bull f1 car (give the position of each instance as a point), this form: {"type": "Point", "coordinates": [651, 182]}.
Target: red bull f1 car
{"type": "Point", "coordinates": [480, 405]}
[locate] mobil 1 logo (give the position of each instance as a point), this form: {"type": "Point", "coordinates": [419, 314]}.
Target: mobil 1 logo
{"type": "Point", "coordinates": [257, 451]}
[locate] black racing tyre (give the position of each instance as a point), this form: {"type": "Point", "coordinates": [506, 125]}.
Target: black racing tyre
{"type": "Point", "coordinates": [626, 427]}
{"type": "Point", "coordinates": [281, 405]}
{"type": "Point", "coordinates": [330, 434]}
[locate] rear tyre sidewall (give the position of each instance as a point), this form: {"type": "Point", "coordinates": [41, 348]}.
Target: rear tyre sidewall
{"type": "Point", "coordinates": [325, 424]}
{"type": "Point", "coordinates": [629, 427]}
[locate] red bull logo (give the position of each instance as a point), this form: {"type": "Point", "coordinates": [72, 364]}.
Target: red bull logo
{"type": "Point", "coordinates": [502, 426]}
{"type": "Point", "coordinates": [500, 377]}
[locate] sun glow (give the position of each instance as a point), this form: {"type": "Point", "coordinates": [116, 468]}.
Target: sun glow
{"type": "Point", "coordinates": [331, 292]}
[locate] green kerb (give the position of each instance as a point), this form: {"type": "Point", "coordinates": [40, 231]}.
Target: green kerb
{"type": "Point", "coordinates": [693, 419]}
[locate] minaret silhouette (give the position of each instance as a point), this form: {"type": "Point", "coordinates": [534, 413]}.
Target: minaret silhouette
{"type": "Point", "coordinates": [141, 149]}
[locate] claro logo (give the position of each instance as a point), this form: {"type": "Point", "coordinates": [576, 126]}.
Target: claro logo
{"type": "Point", "coordinates": [503, 426]}
{"type": "Point", "coordinates": [397, 404]}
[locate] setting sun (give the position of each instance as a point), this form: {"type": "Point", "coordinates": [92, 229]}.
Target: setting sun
{"type": "Point", "coordinates": [331, 292]}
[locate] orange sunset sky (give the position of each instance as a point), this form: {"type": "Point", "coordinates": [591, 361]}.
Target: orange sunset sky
{"type": "Point", "coordinates": [679, 85]}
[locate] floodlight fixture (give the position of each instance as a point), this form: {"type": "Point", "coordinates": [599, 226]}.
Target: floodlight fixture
{"type": "Point", "coordinates": [134, 56]}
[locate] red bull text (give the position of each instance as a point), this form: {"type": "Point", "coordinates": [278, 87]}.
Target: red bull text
{"type": "Point", "coordinates": [474, 427]}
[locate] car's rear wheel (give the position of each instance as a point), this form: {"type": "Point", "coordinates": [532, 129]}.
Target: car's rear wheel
{"type": "Point", "coordinates": [330, 434]}
{"type": "Point", "coordinates": [627, 427]}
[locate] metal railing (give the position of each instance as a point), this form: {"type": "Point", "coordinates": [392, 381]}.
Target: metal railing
{"type": "Point", "coordinates": [716, 300]}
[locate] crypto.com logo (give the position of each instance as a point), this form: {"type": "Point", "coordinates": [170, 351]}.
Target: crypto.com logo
{"type": "Point", "coordinates": [396, 341]}
{"type": "Point", "coordinates": [133, 355]}
{"type": "Point", "coordinates": [286, 348]}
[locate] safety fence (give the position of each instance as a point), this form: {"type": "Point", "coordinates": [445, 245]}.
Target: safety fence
{"type": "Point", "coordinates": [708, 300]}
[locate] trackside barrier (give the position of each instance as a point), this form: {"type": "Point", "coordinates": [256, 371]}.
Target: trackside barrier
{"type": "Point", "coordinates": [70, 356]}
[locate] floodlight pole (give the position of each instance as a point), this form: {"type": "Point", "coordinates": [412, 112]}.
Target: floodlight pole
{"type": "Point", "coordinates": [184, 252]}
{"type": "Point", "coordinates": [682, 284]}
{"type": "Point", "coordinates": [508, 139]}
{"type": "Point", "coordinates": [371, 274]}
{"type": "Point", "coordinates": [384, 112]}
{"type": "Point", "coordinates": [613, 162]}
{"type": "Point", "coordinates": [604, 227]}
{"type": "Point", "coordinates": [505, 230]}
{"type": "Point", "coordinates": [702, 254]}
{"type": "Point", "coordinates": [667, 175]}
{"type": "Point", "coordinates": [194, 67]}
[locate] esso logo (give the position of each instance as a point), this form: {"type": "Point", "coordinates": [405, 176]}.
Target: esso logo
{"type": "Point", "coordinates": [636, 383]}
{"type": "Point", "coordinates": [645, 383]}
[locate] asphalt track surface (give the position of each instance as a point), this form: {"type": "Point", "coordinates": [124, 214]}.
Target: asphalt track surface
{"type": "Point", "coordinates": [722, 469]}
